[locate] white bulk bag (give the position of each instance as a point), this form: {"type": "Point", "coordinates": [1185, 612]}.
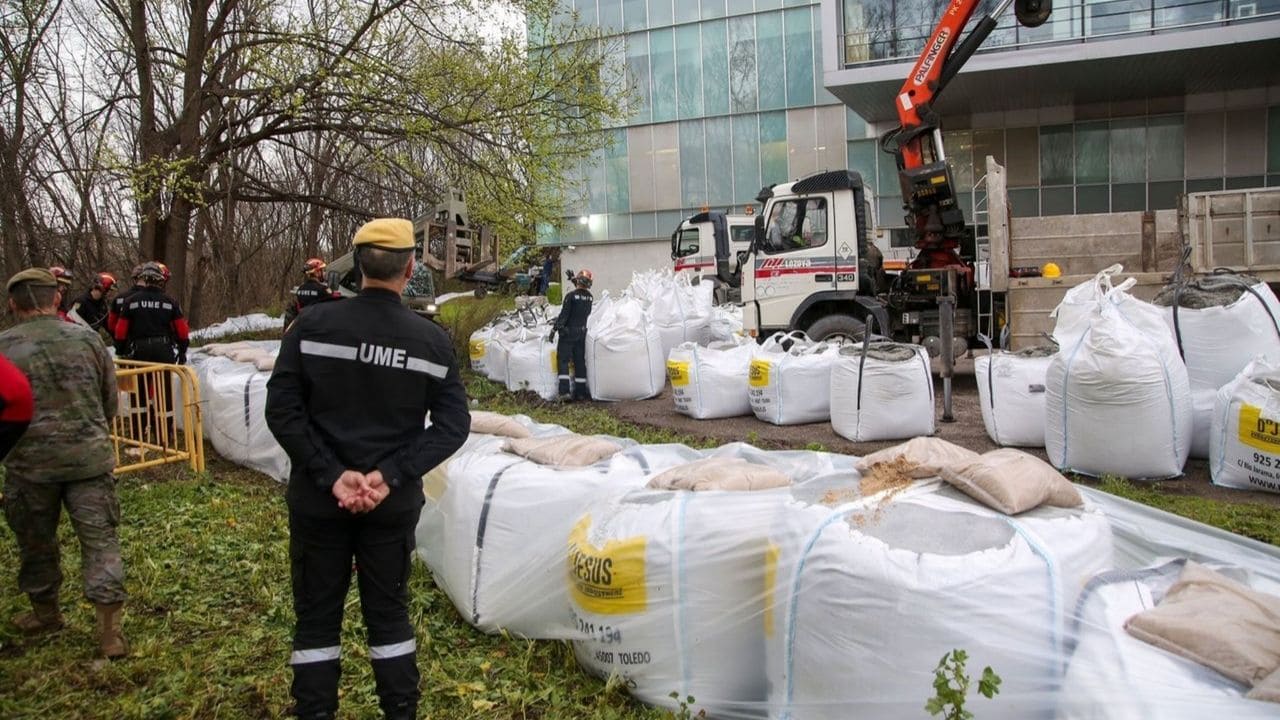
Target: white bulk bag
{"type": "Point", "coordinates": [497, 348]}
{"type": "Point", "coordinates": [1071, 316]}
{"type": "Point", "coordinates": [725, 324]}
{"type": "Point", "coordinates": [495, 537]}
{"type": "Point", "coordinates": [872, 594]}
{"type": "Point", "coordinates": [531, 364]}
{"type": "Point", "coordinates": [1117, 396]}
{"type": "Point", "coordinates": [624, 352]}
{"type": "Point", "coordinates": [234, 397]}
{"type": "Point", "coordinates": [477, 348]}
{"type": "Point", "coordinates": [1011, 390]}
{"type": "Point", "coordinates": [791, 386]}
{"type": "Point", "coordinates": [1244, 448]}
{"type": "Point", "coordinates": [1218, 340]}
{"type": "Point", "coordinates": [710, 382]}
{"type": "Point", "coordinates": [881, 391]}
{"type": "Point", "coordinates": [1115, 676]}
{"type": "Point", "coordinates": [679, 311]}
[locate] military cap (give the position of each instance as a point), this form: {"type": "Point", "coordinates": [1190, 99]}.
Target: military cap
{"type": "Point", "coordinates": [37, 277]}
{"type": "Point", "coordinates": [386, 234]}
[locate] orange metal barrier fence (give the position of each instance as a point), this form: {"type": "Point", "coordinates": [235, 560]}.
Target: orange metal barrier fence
{"type": "Point", "coordinates": [159, 420]}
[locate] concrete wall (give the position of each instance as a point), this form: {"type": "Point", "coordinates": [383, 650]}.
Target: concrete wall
{"type": "Point", "coordinates": [613, 263]}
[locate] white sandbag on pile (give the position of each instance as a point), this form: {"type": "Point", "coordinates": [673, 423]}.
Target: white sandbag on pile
{"type": "Point", "coordinates": [709, 382]}
{"type": "Point", "coordinates": [725, 324]}
{"type": "Point", "coordinates": [668, 587]}
{"type": "Point", "coordinates": [873, 593]}
{"type": "Point", "coordinates": [624, 352]}
{"type": "Point", "coordinates": [494, 537]}
{"type": "Point", "coordinates": [497, 348]}
{"type": "Point", "coordinates": [1011, 391]}
{"type": "Point", "coordinates": [789, 382]}
{"type": "Point", "coordinates": [681, 311]}
{"type": "Point", "coordinates": [881, 391]}
{"type": "Point", "coordinates": [234, 396]}
{"type": "Point", "coordinates": [478, 348]}
{"type": "Point", "coordinates": [1117, 400]}
{"type": "Point", "coordinates": [1220, 323]}
{"type": "Point", "coordinates": [1244, 448]}
{"type": "Point", "coordinates": [1115, 676]}
{"type": "Point", "coordinates": [531, 364]}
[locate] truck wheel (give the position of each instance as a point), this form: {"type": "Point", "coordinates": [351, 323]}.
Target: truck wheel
{"type": "Point", "coordinates": [481, 292]}
{"type": "Point", "coordinates": [837, 329]}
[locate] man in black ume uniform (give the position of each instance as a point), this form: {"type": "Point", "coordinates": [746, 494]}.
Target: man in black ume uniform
{"type": "Point", "coordinates": [351, 388]}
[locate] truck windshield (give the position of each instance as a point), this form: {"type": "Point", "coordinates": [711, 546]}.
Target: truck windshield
{"type": "Point", "coordinates": [687, 242]}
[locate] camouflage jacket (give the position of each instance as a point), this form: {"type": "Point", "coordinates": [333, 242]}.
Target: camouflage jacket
{"type": "Point", "coordinates": [73, 381]}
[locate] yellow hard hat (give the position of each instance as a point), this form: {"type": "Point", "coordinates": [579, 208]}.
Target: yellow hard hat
{"type": "Point", "coordinates": [1051, 270]}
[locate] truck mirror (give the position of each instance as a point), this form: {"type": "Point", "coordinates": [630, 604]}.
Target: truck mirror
{"type": "Point", "coordinates": [758, 240]}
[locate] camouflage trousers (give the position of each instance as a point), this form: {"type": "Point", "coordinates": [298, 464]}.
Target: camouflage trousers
{"type": "Point", "coordinates": [33, 510]}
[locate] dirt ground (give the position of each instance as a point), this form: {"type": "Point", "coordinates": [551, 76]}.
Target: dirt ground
{"type": "Point", "coordinates": [967, 431]}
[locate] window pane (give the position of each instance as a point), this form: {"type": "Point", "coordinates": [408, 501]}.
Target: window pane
{"type": "Point", "coordinates": [959, 144]}
{"type": "Point", "coordinates": [1056, 155]}
{"type": "Point", "coordinates": [1024, 203]}
{"type": "Point", "coordinates": [1093, 152]}
{"type": "Point", "coordinates": [617, 174]}
{"type": "Point", "coordinates": [1057, 201]}
{"type": "Point", "coordinates": [1204, 144]}
{"type": "Point", "coordinates": [689, 71]}
{"type": "Point", "coordinates": [746, 158]}
{"type": "Point", "coordinates": [619, 227]}
{"type": "Point", "coordinates": [1273, 139]}
{"type": "Point", "coordinates": [773, 147]}
{"type": "Point", "coordinates": [742, 64]}
{"type": "Point", "coordinates": [1204, 185]}
{"type": "Point", "coordinates": [633, 12]}
{"type": "Point", "coordinates": [1128, 197]}
{"type": "Point", "coordinates": [597, 189]}
{"type": "Point", "coordinates": [663, 60]}
{"type": "Point", "coordinates": [687, 10]}
{"type": "Point", "coordinates": [770, 63]}
{"type": "Point", "coordinates": [1104, 17]}
{"type": "Point", "coordinates": [1024, 151]}
{"type": "Point", "coordinates": [643, 226]}
{"type": "Point", "coordinates": [1128, 152]}
{"type": "Point", "coordinates": [719, 162]}
{"type": "Point", "coordinates": [741, 6]}
{"type": "Point", "coordinates": [1164, 195]}
{"type": "Point", "coordinates": [768, 4]}
{"type": "Point", "coordinates": [988, 142]}
{"type": "Point", "coordinates": [914, 20]}
{"type": "Point", "coordinates": [611, 14]}
{"type": "Point", "coordinates": [862, 159]}
{"type": "Point", "coordinates": [799, 52]}
{"type": "Point", "coordinates": [659, 13]}
{"type": "Point", "coordinates": [887, 183]}
{"type": "Point", "coordinates": [586, 11]}
{"type": "Point", "coordinates": [1165, 143]}
{"type": "Point", "coordinates": [854, 126]}
{"type": "Point", "coordinates": [711, 8]}
{"type": "Point", "coordinates": [868, 26]}
{"type": "Point", "coordinates": [715, 68]}
{"type": "Point", "coordinates": [796, 225]}
{"type": "Point", "coordinates": [693, 164]}
{"type": "Point", "coordinates": [1246, 183]}
{"type": "Point", "coordinates": [1092, 199]}
{"type": "Point", "coordinates": [824, 95]}
{"type": "Point", "coordinates": [638, 75]}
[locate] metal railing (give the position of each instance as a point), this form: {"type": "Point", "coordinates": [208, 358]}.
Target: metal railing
{"type": "Point", "coordinates": [159, 420]}
{"type": "Point", "coordinates": [883, 40]}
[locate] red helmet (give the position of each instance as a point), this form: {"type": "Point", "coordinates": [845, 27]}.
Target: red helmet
{"type": "Point", "coordinates": [164, 270]}
{"type": "Point", "coordinates": [62, 274]}
{"type": "Point", "coordinates": [583, 278]}
{"type": "Point", "coordinates": [104, 282]}
{"type": "Point", "coordinates": [314, 267]}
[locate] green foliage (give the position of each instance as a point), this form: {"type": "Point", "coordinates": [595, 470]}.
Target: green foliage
{"type": "Point", "coordinates": [1255, 520]}
{"type": "Point", "coordinates": [951, 686]}
{"type": "Point", "coordinates": [164, 176]}
{"type": "Point", "coordinates": [816, 447]}
{"type": "Point", "coordinates": [684, 713]}
{"type": "Point", "coordinates": [465, 315]}
{"type": "Point", "coordinates": [555, 293]}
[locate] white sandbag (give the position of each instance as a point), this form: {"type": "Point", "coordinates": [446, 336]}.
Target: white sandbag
{"type": "Point", "coordinates": [234, 397]}
{"type": "Point", "coordinates": [624, 352]}
{"type": "Point", "coordinates": [531, 364]}
{"type": "Point", "coordinates": [680, 312]}
{"type": "Point", "coordinates": [789, 382]}
{"type": "Point", "coordinates": [668, 588]}
{"type": "Point", "coordinates": [1114, 676]}
{"type": "Point", "coordinates": [725, 324]}
{"type": "Point", "coordinates": [495, 537]}
{"type": "Point", "coordinates": [1117, 397]}
{"type": "Point", "coordinates": [478, 348]}
{"type": "Point", "coordinates": [1071, 316]}
{"type": "Point", "coordinates": [883, 391]}
{"type": "Point", "coordinates": [872, 594]}
{"type": "Point", "coordinates": [1244, 448]}
{"type": "Point", "coordinates": [497, 349]}
{"type": "Point", "coordinates": [709, 382]}
{"type": "Point", "coordinates": [1011, 391]}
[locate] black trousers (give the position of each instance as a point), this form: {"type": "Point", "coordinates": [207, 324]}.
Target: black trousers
{"type": "Point", "coordinates": [573, 347]}
{"type": "Point", "coordinates": [321, 551]}
{"type": "Point", "coordinates": [153, 394]}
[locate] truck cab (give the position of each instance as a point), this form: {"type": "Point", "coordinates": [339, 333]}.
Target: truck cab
{"type": "Point", "coordinates": [343, 276]}
{"type": "Point", "coordinates": [711, 245]}
{"type": "Point", "coordinates": [814, 265]}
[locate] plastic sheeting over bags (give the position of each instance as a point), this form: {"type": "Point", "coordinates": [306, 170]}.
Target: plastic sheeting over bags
{"type": "Point", "coordinates": [1011, 391]}
{"type": "Point", "coordinates": [1117, 375]}
{"type": "Point", "coordinates": [234, 397]}
{"type": "Point", "coordinates": [710, 382]}
{"type": "Point", "coordinates": [883, 391]}
{"type": "Point", "coordinates": [1245, 438]}
{"type": "Point", "coordinates": [624, 352]}
{"type": "Point", "coordinates": [790, 380]}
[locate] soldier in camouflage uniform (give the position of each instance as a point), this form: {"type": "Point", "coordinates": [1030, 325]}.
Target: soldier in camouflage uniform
{"type": "Point", "coordinates": [65, 459]}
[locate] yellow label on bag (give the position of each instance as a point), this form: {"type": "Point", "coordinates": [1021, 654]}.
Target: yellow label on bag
{"type": "Point", "coordinates": [678, 372]}
{"type": "Point", "coordinates": [1257, 431]}
{"type": "Point", "coordinates": [555, 362]}
{"type": "Point", "coordinates": [771, 555]}
{"type": "Point", "coordinates": [759, 376]}
{"type": "Point", "coordinates": [607, 580]}
{"type": "Point", "coordinates": [477, 349]}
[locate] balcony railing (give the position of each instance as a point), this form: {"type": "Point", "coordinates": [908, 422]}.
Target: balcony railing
{"type": "Point", "coordinates": [888, 31]}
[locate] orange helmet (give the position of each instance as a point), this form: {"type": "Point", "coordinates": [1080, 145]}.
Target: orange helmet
{"type": "Point", "coordinates": [314, 267]}
{"type": "Point", "coordinates": [104, 282]}
{"type": "Point", "coordinates": [62, 274]}
{"type": "Point", "coordinates": [164, 270]}
{"type": "Point", "coordinates": [583, 278]}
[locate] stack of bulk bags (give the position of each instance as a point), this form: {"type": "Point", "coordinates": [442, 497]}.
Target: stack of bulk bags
{"type": "Point", "coordinates": [531, 363]}
{"type": "Point", "coordinates": [725, 324]}
{"type": "Point", "coordinates": [710, 382]}
{"type": "Point", "coordinates": [495, 537]}
{"type": "Point", "coordinates": [881, 391]}
{"type": "Point", "coordinates": [681, 312]}
{"type": "Point", "coordinates": [872, 594]}
{"type": "Point", "coordinates": [1220, 323]}
{"type": "Point", "coordinates": [1117, 400]}
{"type": "Point", "coordinates": [789, 381]}
{"type": "Point", "coordinates": [1244, 450]}
{"type": "Point", "coordinates": [624, 352]}
{"type": "Point", "coordinates": [497, 347]}
{"type": "Point", "coordinates": [669, 587]}
{"type": "Point", "coordinates": [234, 397]}
{"type": "Point", "coordinates": [1011, 390]}
{"type": "Point", "coordinates": [478, 348]}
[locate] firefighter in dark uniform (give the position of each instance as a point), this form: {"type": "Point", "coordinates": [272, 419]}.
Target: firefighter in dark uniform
{"type": "Point", "coordinates": [151, 324]}
{"type": "Point", "coordinates": [571, 326]}
{"type": "Point", "coordinates": [117, 304]}
{"type": "Point", "coordinates": [312, 290]}
{"type": "Point", "coordinates": [92, 306]}
{"type": "Point", "coordinates": [351, 388]}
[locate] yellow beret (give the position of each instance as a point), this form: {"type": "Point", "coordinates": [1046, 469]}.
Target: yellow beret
{"type": "Point", "coordinates": [37, 277]}
{"type": "Point", "coordinates": [386, 233]}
